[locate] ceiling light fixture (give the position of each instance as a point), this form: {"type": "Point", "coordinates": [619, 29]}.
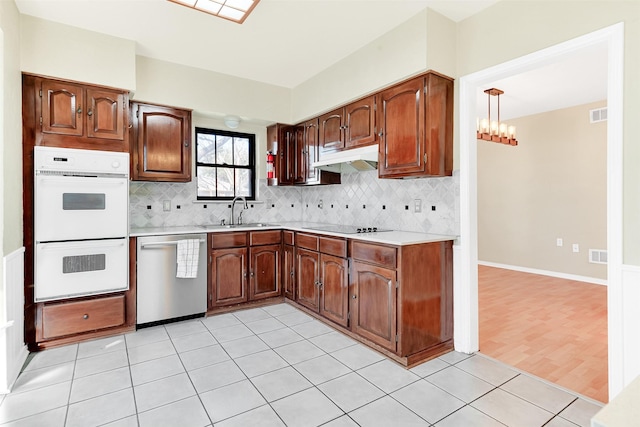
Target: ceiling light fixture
{"type": "Point", "coordinates": [495, 131]}
{"type": "Point", "coordinates": [232, 10]}
{"type": "Point", "coordinates": [232, 122]}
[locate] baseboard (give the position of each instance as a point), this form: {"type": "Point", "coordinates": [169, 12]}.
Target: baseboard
{"type": "Point", "coordinates": [556, 274]}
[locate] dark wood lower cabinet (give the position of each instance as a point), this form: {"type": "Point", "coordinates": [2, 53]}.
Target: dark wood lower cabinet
{"type": "Point", "coordinates": [334, 289]}
{"type": "Point", "coordinates": [288, 272]}
{"type": "Point", "coordinates": [373, 304]}
{"type": "Point", "coordinates": [264, 272]}
{"type": "Point", "coordinates": [228, 276]}
{"type": "Point", "coordinates": [397, 299]}
{"type": "Point", "coordinates": [307, 278]}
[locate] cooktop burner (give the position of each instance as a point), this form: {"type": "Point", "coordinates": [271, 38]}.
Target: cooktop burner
{"type": "Point", "coordinates": [346, 229]}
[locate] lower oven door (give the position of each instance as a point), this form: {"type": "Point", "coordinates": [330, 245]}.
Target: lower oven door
{"type": "Point", "coordinates": [78, 268]}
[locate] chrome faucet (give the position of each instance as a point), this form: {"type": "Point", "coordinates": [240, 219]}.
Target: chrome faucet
{"type": "Point", "coordinates": [233, 204]}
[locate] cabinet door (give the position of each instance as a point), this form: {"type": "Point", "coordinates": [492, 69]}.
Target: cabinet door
{"type": "Point", "coordinates": [228, 276]}
{"type": "Point", "coordinates": [402, 126]}
{"type": "Point", "coordinates": [334, 289]}
{"type": "Point", "coordinates": [105, 114]}
{"type": "Point", "coordinates": [307, 278]}
{"type": "Point", "coordinates": [264, 272]}
{"type": "Point", "coordinates": [360, 123]}
{"type": "Point", "coordinates": [331, 135]}
{"type": "Point", "coordinates": [373, 304]}
{"type": "Point", "coordinates": [288, 272]}
{"type": "Point", "coordinates": [439, 126]}
{"type": "Point", "coordinates": [300, 155]}
{"type": "Point", "coordinates": [311, 150]}
{"type": "Point", "coordinates": [63, 108]}
{"type": "Point", "coordinates": [163, 144]}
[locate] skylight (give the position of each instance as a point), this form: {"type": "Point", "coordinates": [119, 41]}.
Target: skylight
{"type": "Point", "coordinates": [233, 10]}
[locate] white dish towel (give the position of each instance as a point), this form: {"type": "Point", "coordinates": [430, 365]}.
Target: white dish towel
{"type": "Point", "coordinates": [187, 257]}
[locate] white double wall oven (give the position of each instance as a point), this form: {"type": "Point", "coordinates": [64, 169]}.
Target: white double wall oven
{"type": "Point", "coordinates": [81, 222]}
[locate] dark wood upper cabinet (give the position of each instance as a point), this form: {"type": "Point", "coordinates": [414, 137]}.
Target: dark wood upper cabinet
{"type": "Point", "coordinates": [62, 108]}
{"type": "Point", "coordinates": [351, 126]}
{"type": "Point", "coordinates": [360, 123]}
{"type": "Point", "coordinates": [161, 149]}
{"type": "Point", "coordinates": [103, 120]}
{"type": "Point", "coordinates": [311, 150]}
{"type": "Point", "coordinates": [415, 120]}
{"type": "Point", "coordinates": [332, 130]}
{"type": "Point", "coordinates": [76, 115]}
{"type": "Point", "coordinates": [296, 136]}
{"type": "Point", "coordinates": [280, 144]}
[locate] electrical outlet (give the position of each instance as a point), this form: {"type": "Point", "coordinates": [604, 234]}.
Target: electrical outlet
{"type": "Point", "coordinates": [576, 248]}
{"type": "Point", "coordinates": [269, 203]}
{"type": "Point", "coordinates": [166, 205]}
{"type": "Point", "coordinates": [321, 204]}
{"type": "Point", "coordinates": [559, 242]}
{"type": "Point", "coordinates": [417, 205]}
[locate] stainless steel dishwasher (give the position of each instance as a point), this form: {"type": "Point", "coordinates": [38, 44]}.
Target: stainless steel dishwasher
{"type": "Point", "coordinates": [160, 295]}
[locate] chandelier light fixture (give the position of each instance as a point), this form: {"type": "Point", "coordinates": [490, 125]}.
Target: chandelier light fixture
{"type": "Point", "coordinates": [495, 131]}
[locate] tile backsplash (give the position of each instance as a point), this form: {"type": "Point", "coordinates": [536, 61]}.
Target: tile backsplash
{"type": "Point", "coordinates": [361, 199]}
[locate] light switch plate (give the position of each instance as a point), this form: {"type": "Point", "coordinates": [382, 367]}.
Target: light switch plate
{"type": "Point", "coordinates": [417, 205]}
{"type": "Point", "coordinates": [166, 205]}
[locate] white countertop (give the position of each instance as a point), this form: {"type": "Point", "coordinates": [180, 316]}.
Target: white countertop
{"type": "Point", "coordinates": [397, 238]}
{"type": "Point", "coordinates": [623, 410]}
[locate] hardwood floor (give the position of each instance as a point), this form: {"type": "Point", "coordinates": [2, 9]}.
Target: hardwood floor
{"type": "Point", "coordinates": [553, 328]}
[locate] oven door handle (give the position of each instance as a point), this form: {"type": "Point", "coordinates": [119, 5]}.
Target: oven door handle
{"type": "Point", "coordinates": [170, 243]}
{"type": "Point", "coordinates": [102, 244]}
{"type": "Point", "coordinates": [83, 180]}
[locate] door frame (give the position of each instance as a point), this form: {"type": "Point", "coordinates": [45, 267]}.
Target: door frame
{"type": "Point", "coordinates": [466, 323]}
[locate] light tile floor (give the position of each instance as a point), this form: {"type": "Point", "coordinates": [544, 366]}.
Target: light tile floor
{"type": "Point", "coordinates": [272, 366]}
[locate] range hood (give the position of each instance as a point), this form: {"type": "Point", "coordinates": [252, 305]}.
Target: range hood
{"type": "Point", "coordinates": [355, 159]}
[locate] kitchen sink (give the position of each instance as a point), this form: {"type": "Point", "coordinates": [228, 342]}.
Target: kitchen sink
{"type": "Point", "coordinates": [247, 225]}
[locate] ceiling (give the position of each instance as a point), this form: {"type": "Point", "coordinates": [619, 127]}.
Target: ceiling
{"type": "Point", "coordinates": [577, 78]}
{"type": "Point", "coordinates": [286, 42]}
{"type": "Point", "coordinates": [282, 42]}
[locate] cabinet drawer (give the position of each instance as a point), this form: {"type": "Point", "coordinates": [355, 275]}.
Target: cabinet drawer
{"type": "Point", "coordinates": [336, 247]}
{"type": "Point", "coordinates": [287, 237]}
{"type": "Point", "coordinates": [82, 316]}
{"type": "Point", "coordinates": [307, 241]}
{"type": "Point", "coordinates": [374, 254]}
{"type": "Point", "coordinates": [228, 240]}
{"type": "Point", "coordinates": [269, 237]}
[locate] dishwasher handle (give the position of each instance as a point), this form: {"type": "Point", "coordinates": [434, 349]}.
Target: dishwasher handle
{"type": "Point", "coordinates": [160, 244]}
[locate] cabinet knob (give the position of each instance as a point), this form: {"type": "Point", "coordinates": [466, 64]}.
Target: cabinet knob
{"type": "Point", "coordinates": [186, 144]}
{"type": "Point", "coordinates": [354, 297]}
{"type": "Point", "coordinates": [79, 111]}
{"type": "Point", "coordinates": [380, 133]}
{"type": "Point", "coordinates": [251, 274]}
{"type": "Point", "coordinates": [90, 112]}
{"type": "Point", "coordinates": [85, 317]}
{"type": "Point", "coordinates": [291, 274]}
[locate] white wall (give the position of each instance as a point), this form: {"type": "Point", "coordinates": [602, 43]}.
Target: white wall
{"type": "Point", "coordinates": [11, 130]}
{"type": "Point", "coordinates": [58, 50]}
{"type": "Point", "coordinates": [206, 91]}
{"type": "Point", "coordinates": [408, 49]}
{"type": "Point", "coordinates": [552, 184]}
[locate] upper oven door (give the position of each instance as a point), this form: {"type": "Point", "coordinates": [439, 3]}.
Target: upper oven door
{"type": "Point", "coordinates": [76, 207]}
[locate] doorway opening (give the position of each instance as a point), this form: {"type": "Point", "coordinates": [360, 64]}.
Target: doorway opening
{"type": "Point", "coordinates": [466, 261]}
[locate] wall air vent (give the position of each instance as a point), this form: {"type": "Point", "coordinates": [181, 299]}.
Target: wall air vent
{"type": "Point", "coordinates": [598, 256]}
{"type": "Point", "coordinates": [598, 115]}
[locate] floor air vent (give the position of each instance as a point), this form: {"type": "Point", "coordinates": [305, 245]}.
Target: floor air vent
{"type": "Point", "coordinates": [598, 256]}
{"type": "Point", "coordinates": [598, 115]}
